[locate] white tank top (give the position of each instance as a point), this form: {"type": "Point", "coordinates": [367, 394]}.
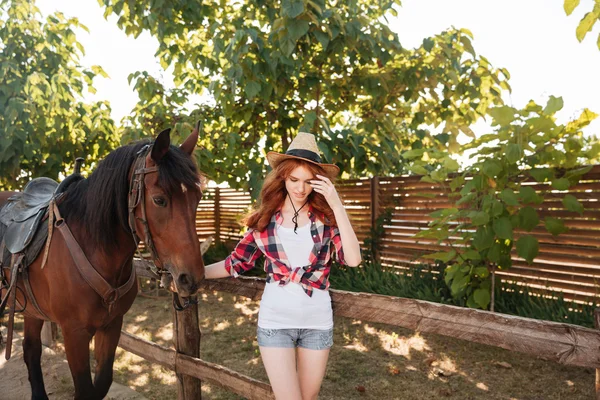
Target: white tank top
{"type": "Point", "coordinates": [288, 306]}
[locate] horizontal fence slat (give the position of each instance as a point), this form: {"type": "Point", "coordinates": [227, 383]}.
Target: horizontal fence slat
{"type": "Point", "coordinates": [233, 381]}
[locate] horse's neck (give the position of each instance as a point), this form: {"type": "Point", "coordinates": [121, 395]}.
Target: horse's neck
{"type": "Point", "coordinates": [110, 263]}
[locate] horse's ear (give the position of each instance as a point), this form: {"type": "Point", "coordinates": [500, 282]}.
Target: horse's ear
{"type": "Point", "coordinates": [190, 143]}
{"type": "Point", "coordinates": [161, 145]}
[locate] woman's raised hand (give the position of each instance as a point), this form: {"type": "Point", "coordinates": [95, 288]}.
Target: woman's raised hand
{"type": "Point", "coordinates": [324, 186]}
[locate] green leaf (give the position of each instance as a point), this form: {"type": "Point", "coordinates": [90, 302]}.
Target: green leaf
{"type": "Point", "coordinates": [450, 272]}
{"type": "Point", "coordinates": [528, 195]}
{"type": "Point", "coordinates": [503, 115]}
{"type": "Point", "coordinates": [323, 38]}
{"type": "Point", "coordinates": [503, 228]}
{"type": "Point", "coordinates": [484, 238]}
{"type": "Point", "coordinates": [471, 255]}
{"type": "Point", "coordinates": [491, 168]}
{"type": "Point", "coordinates": [252, 89]}
{"type": "Point", "coordinates": [586, 24]}
{"type": "Point", "coordinates": [450, 164]}
{"type": "Point", "coordinates": [572, 204]}
{"type": "Point", "coordinates": [444, 256]}
{"type": "Point", "coordinates": [554, 104]}
{"type": "Point", "coordinates": [527, 248]}
{"type": "Point", "coordinates": [561, 184]}
{"type": "Point", "coordinates": [541, 174]}
{"type": "Point", "coordinates": [292, 8]}
{"type": "Point", "coordinates": [459, 284]}
{"type": "Point", "coordinates": [528, 218]}
{"type": "Point", "coordinates": [514, 152]}
{"type": "Point", "coordinates": [410, 154]}
{"type": "Point", "coordinates": [297, 29]}
{"type": "Point", "coordinates": [570, 5]}
{"type": "Point", "coordinates": [479, 218]}
{"type": "Point", "coordinates": [509, 197]}
{"type": "Point", "coordinates": [482, 298]}
{"type": "Point", "coordinates": [555, 226]}
{"type": "Point", "coordinates": [428, 44]}
{"type": "Point", "coordinates": [481, 272]}
{"type": "Point", "coordinates": [578, 172]}
{"type": "Point", "coordinates": [494, 253]}
{"type": "Point", "coordinates": [418, 169]}
{"type": "Point", "coordinates": [467, 131]}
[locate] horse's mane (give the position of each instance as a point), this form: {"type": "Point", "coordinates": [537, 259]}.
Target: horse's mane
{"type": "Point", "coordinates": [99, 203]}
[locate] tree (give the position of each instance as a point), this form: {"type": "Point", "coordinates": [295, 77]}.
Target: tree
{"type": "Point", "coordinates": [516, 166]}
{"type": "Point", "coordinates": [44, 125]}
{"type": "Point", "coordinates": [332, 68]}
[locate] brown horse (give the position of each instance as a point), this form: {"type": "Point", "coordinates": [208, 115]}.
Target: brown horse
{"type": "Point", "coordinates": [97, 211]}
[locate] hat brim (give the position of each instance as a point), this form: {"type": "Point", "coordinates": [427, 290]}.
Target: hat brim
{"type": "Point", "coordinates": [275, 159]}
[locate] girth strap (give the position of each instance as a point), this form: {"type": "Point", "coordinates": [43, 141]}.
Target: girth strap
{"type": "Point", "coordinates": [12, 301]}
{"type": "Point", "coordinates": [109, 294]}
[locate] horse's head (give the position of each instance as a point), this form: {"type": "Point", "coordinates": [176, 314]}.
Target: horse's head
{"type": "Point", "coordinates": [167, 201]}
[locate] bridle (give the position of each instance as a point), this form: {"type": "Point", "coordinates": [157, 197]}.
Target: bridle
{"type": "Point", "coordinates": [137, 197]}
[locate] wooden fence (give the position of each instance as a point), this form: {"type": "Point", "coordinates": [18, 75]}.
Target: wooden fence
{"type": "Point", "coordinates": [569, 262]}
{"type": "Point", "coordinates": [563, 343]}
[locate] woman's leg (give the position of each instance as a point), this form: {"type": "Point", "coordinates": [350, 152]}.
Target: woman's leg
{"type": "Point", "coordinates": [311, 370]}
{"type": "Point", "coordinates": [280, 364]}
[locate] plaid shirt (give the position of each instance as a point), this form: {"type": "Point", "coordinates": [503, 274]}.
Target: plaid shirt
{"type": "Point", "coordinates": [315, 275]}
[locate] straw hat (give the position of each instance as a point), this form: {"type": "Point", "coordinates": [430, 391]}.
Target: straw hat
{"type": "Point", "coordinates": [303, 147]}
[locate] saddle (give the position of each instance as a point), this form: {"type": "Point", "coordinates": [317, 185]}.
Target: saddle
{"type": "Point", "coordinates": [22, 236]}
{"type": "Point", "coordinates": [24, 211]}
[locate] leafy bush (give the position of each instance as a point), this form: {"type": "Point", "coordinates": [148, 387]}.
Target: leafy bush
{"type": "Point", "coordinates": [422, 282]}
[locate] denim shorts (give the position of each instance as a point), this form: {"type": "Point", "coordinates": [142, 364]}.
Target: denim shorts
{"type": "Point", "coordinates": [314, 339]}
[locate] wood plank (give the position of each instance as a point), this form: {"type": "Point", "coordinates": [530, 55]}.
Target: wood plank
{"type": "Point", "coordinates": [233, 381]}
{"type": "Point", "coordinates": [186, 338]}
{"type": "Point", "coordinates": [148, 350]}
{"type": "Point", "coordinates": [224, 377]}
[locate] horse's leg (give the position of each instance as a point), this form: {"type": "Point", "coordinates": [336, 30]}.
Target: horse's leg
{"type": "Point", "coordinates": [105, 345]}
{"type": "Point", "coordinates": [32, 353]}
{"type": "Point", "coordinates": [77, 346]}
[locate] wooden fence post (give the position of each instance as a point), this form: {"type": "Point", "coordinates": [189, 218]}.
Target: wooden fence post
{"type": "Point", "coordinates": [187, 341]}
{"type": "Point", "coordinates": [217, 216]}
{"type": "Point", "coordinates": [375, 212]}
{"type": "Point", "coordinates": [597, 324]}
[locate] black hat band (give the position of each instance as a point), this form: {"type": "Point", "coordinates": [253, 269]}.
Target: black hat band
{"type": "Point", "coordinates": [307, 154]}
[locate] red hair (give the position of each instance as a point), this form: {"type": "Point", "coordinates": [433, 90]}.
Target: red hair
{"type": "Point", "coordinates": [273, 194]}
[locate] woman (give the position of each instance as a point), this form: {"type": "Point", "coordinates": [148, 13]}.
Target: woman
{"type": "Point", "coordinates": [300, 222]}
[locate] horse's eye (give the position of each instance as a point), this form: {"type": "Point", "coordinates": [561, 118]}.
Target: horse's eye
{"type": "Point", "coordinates": [160, 201]}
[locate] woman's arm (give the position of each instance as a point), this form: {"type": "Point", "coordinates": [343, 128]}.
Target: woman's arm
{"type": "Point", "coordinates": [350, 243]}
{"type": "Point", "coordinates": [216, 270]}
{"type": "Point", "coordinates": [241, 259]}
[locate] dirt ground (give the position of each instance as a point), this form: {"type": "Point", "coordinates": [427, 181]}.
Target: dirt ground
{"type": "Point", "coordinates": [367, 361]}
{"type": "Point", "coordinates": [14, 384]}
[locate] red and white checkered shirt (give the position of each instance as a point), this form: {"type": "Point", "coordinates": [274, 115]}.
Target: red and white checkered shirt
{"type": "Point", "coordinates": [315, 275]}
